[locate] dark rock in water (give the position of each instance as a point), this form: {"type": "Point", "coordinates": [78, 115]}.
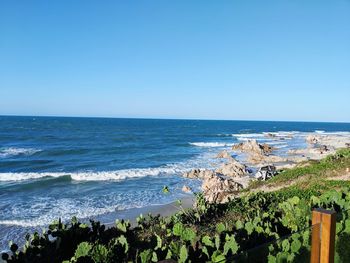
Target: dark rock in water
{"type": "Point", "coordinates": [266, 172]}
{"type": "Point", "coordinates": [270, 135]}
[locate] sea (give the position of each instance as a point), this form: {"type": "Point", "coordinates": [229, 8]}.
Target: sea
{"type": "Point", "coordinates": [96, 168]}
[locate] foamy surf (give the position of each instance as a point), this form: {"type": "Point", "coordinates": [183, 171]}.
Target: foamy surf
{"type": "Point", "coordinates": [43, 209]}
{"type": "Point", "coordinates": [65, 209]}
{"type": "Point", "coordinates": [211, 144]}
{"type": "Point", "coordinates": [320, 131]}
{"type": "Point", "coordinates": [13, 151]}
{"type": "Point", "coordinates": [93, 176]}
{"type": "Point", "coordinates": [247, 135]}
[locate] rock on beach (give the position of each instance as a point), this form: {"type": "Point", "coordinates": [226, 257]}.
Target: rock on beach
{"type": "Point", "coordinates": [218, 189]}
{"type": "Point", "coordinates": [233, 168]}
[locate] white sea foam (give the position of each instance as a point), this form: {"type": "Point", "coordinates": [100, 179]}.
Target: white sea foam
{"type": "Point", "coordinates": [224, 135]}
{"type": "Point", "coordinates": [22, 223]}
{"type": "Point", "coordinates": [247, 135]}
{"type": "Point", "coordinates": [319, 131]}
{"type": "Point", "coordinates": [211, 144]}
{"type": "Point", "coordinates": [244, 139]}
{"type": "Point", "coordinates": [201, 161]}
{"type": "Point", "coordinates": [282, 133]}
{"type": "Point", "coordinates": [40, 210]}
{"type": "Point", "coordinates": [124, 174]}
{"type": "Point", "coordinates": [339, 133]}
{"type": "Point", "coordinates": [277, 143]}
{"type": "Point", "coordinates": [95, 176]}
{"type": "Point", "coordinates": [279, 146]}
{"type": "Point", "coordinates": [13, 151]}
{"type": "Point", "coordinates": [64, 209]}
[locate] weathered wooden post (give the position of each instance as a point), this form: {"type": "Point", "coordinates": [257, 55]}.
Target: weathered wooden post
{"type": "Point", "coordinates": [323, 236]}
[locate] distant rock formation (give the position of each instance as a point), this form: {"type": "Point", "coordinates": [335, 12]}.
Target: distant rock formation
{"type": "Point", "coordinates": [224, 154]}
{"type": "Point", "coordinates": [263, 159]}
{"type": "Point", "coordinates": [312, 139]}
{"type": "Point", "coordinates": [258, 153]}
{"type": "Point", "coordinates": [270, 135]}
{"type": "Point", "coordinates": [253, 147]}
{"type": "Point", "coordinates": [233, 169]}
{"type": "Point", "coordinates": [323, 149]}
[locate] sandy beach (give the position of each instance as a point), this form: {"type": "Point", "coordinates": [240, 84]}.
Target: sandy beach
{"type": "Point", "coordinates": [132, 214]}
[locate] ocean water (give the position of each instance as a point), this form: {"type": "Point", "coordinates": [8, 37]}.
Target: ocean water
{"type": "Point", "coordinates": [91, 167]}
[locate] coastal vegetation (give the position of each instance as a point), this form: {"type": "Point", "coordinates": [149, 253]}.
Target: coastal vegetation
{"type": "Point", "coordinates": [268, 222]}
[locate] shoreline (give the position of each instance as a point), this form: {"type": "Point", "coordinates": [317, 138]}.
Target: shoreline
{"type": "Point", "coordinates": [313, 142]}
{"type": "Point", "coordinates": [254, 159]}
{"type": "Point", "coordinates": [109, 219]}
{"type": "Point", "coordinates": [131, 214]}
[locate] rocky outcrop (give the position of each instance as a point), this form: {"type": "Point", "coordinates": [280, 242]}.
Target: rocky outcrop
{"type": "Point", "coordinates": [334, 141]}
{"type": "Point", "coordinates": [266, 172]}
{"type": "Point", "coordinates": [233, 169]}
{"type": "Point", "coordinates": [258, 153]}
{"type": "Point", "coordinates": [312, 139]}
{"type": "Point", "coordinates": [262, 158]}
{"type": "Point", "coordinates": [323, 149]}
{"type": "Point", "coordinates": [250, 146]}
{"type": "Point", "coordinates": [253, 147]}
{"type": "Point", "coordinates": [186, 189]}
{"type": "Point", "coordinates": [297, 152]}
{"type": "Point", "coordinates": [198, 173]}
{"type": "Point", "coordinates": [218, 189]}
{"type": "Point", "coordinates": [224, 154]}
{"type": "Point", "coordinates": [312, 151]}
{"type": "Point", "coordinates": [270, 135]}
{"type": "Point", "coordinates": [267, 149]}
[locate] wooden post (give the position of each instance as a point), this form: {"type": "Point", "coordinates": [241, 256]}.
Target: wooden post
{"type": "Point", "coordinates": [323, 236]}
{"type": "Point", "coordinates": [315, 237]}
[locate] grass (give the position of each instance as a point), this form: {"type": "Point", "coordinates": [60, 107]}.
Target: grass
{"type": "Point", "coordinates": [313, 170]}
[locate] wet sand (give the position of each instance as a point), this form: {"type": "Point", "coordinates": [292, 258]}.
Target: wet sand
{"type": "Point", "coordinates": [131, 214]}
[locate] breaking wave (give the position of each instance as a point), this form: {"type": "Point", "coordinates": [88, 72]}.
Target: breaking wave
{"type": "Point", "coordinates": [95, 176]}
{"type": "Point", "coordinates": [13, 151]}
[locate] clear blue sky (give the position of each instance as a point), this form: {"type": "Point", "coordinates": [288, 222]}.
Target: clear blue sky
{"type": "Point", "coordinates": [256, 60]}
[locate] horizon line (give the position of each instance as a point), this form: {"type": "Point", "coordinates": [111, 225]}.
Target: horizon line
{"type": "Point", "coordinates": [160, 118]}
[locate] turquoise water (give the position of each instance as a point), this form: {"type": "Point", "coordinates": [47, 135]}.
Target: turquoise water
{"type": "Point", "coordinates": [90, 167]}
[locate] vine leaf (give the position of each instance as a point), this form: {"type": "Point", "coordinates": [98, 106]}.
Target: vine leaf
{"type": "Point", "coordinates": [230, 244]}
{"type": "Point", "coordinates": [183, 254]}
